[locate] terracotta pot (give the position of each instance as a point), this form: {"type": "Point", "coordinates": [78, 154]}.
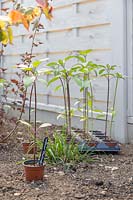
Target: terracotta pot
{"type": "Point", "coordinates": [33, 172]}
{"type": "Point", "coordinates": [28, 148]}
{"type": "Point", "coordinates": [92, 143]}
{"type": "Point", "coordinates": [110, 143]}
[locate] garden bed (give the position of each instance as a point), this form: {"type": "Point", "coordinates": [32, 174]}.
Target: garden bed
{"type": "Point", "coordinates": [109, 177]}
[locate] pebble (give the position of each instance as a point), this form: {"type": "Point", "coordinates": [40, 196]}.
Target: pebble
{"type": "Point", "coordinates": [61, 173]}
{"type": "Point", "coordinates": [45, 176]}
{"type": "Point", "coordinates": [37, 189]}
{"type": "Point", "coordinates": [17, 194]}
{"type": "Point", "coordinates": [103, 192]}
{"type": "Point", "coordinates": [114, 168]}
{"type": "Point", "coordinates": [80, 196]}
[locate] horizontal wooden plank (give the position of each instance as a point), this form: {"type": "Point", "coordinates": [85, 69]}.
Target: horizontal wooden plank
{"type": "Point", "coordinates": [68, 29]}
{"type": "Point", "coordinates": [94, 38]}
{"type": "Point", "coordinates": [57, 52]}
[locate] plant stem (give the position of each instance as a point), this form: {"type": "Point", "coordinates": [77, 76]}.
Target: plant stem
{"type": "Point", "coordinates": [84, 107]}
{"type": "Point", "coordinates": [87, 111]}
{"type": "Point", "coordinates": [65, 103]}
{"type": "Point", "coordinates": [114, 102]}
{"type": "Point", "coordinates": [34, 35]}
{"type": "Point", "coordinates": [31, 52]}
{"type": "Point", "coordinates": [1, 62]}
{"type": "Point", "coordinates": [31, 92]}
{"type": "Point", "coordinates": [107, 108]}
{"type": "Point", "coordinates": [35, 121]}
{"type": "Point", "coordinates": [69, 106]}
{"type": "Point", "coordinates": [91, 89]}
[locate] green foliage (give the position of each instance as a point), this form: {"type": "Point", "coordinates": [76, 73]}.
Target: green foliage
{"type": "Point", "coordinates": [62, 151]}
{"type": "Point", "coordinates": [2, 82]}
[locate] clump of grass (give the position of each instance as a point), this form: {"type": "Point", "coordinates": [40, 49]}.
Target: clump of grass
{"type": "Point", "coordinates": [61, 151]}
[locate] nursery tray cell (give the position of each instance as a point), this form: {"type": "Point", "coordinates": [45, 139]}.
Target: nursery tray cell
{"type": "Point", "coordinates": [100, 147]}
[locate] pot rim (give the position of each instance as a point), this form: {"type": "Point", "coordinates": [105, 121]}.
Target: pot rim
{"type": "Point", "coordinates": [26, 142]}
{"type": "Point", "coordinates": [31, 164]}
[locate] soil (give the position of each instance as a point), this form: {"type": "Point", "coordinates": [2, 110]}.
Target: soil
{"type": "Point", "coordinates": [109, 177]}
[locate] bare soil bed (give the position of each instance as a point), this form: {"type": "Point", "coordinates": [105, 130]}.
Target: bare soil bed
{"type": "Point", "coordinates": [110, 177]}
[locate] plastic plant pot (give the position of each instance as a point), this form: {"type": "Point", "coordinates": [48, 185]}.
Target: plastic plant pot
{"type": "Point", "coordinates": [28, 148]}
{"type": "Point", "coordinates": [33, 171]}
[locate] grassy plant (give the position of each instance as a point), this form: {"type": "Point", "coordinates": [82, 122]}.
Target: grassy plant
{"type": "Point", "coordinates": [61, 151]}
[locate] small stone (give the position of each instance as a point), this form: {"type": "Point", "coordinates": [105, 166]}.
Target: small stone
{"type": "Point", "coordinates": [103, 192]}
{"type": "Point", "coordinates": [17, 194]}
{"type": "Point", "coordinates": [131, 180]}
{"type": "Point", "coordinates": [45, 176]}
{"type": "Point", "coordinates": [37, 189]}
{"type": "Point", "coordinates": [80, 196]}
{"type": "Point", "coordinates": [114, 168]}
{"type": "Point", "coordinates": [108, 167]}
{"type": "Point", "coordinates": [61, 173]}
{"type": "Point", "coordinates": [100, 165]}
{"type": "Point", "coordinates": [20, 133]}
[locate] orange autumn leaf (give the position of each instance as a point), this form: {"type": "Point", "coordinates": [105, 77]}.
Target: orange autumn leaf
{"type": "Point", "coordinates": [48, 12]}
{"type": "Point", "coordinates": [16, 16]}
{"type": "Point", "coordinates": [25, 22]}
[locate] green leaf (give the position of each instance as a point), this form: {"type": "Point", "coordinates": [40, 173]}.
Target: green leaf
{"type": "Point", "coordinates": [36, 63]}
{"type": "Point", "coordinates": [85, 52]}
{"type": "Point", "coordinates": [27, 69]}
{"type": "Point", "coordinates": [2, 80]}
{"type": "Point", "coordinates": [68, 58]}
{"type": "Point", "coordinates": [90, 103]}
{"type": "Point", "coordinates": [53, 80]}
{"type": "Point", "coordinates": [81, 58]}
{"type": "Point", "coordinates": [78, 81]}
{"type": "Point", "coordinates": [100, 116]}
{"type": "Point", "coordinates": [86, 83]}
{"type": "Point", "coordinates": [57, 88]}
{"type": "Point", "coordinates": [10, 34]}
{"type": "Point", "coordinates": [51, 154]}
{"type": "Point", "coordinates": [61, 62]}
{"type": "Point", "coordinates": [101, 71]}
{"type": "Point", "coordinates": [3, 37]}
{"type": "Point", "coordinates": [42, 81]}
{"type": "Point", "coordinates": [45, 71]}
{"type": "Point", "coordinates": [98, 111]}
{"type": "Point", "coordinates": [29, 10]}
{"type": "Point", "coordinates": [52, 64]}
{"type": "Point", "coordinates": [82, 119]}
{"type": "Point", "coordinates": [28, 80]}
{"type": "Point", "coordinates": [113, 113]}
{"type": "Point", "coordinates": [119, 75]}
